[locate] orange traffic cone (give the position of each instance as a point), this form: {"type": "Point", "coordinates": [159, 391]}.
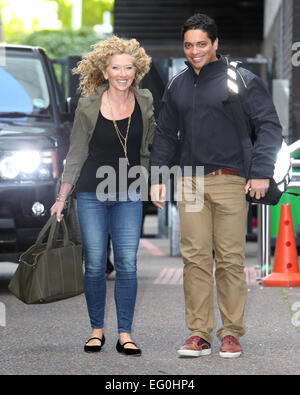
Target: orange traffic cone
{"type": "Point", "coordinates": [286, 269]}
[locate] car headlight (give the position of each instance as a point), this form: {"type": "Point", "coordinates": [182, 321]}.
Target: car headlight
{"type": "Point", "coordinates": [9, 167]}
{"type": "Point", "coordinates": [28, 165]}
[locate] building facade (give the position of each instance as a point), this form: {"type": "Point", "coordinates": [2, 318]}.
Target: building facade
{"type": "Point", "coordinates": [156, 23]}
{"type": "Point", "coordinates": [281, 42]}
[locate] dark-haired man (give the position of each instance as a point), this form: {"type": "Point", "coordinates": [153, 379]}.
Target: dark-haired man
{"type": "Point", "coordinates": [194, 103]}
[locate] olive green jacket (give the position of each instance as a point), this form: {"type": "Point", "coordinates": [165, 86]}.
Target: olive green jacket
{"type": "Point", "coordinates": [86, 115]}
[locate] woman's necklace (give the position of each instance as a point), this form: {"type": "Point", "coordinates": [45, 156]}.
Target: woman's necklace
{"type": "Point", "coordinates": [122, 139]}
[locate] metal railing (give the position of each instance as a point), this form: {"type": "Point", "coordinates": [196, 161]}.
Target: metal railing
{"type": "Point", "coordinates": [264, 217]}
{"type": "Point", "coordinates": [295, 182]}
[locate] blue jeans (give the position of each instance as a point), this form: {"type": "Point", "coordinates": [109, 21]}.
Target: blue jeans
{"type": "Point", "coordinates": [123, 220]}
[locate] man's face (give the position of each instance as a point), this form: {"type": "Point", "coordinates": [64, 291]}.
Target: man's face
{"type": "Point", "coordinates": [198, 48]}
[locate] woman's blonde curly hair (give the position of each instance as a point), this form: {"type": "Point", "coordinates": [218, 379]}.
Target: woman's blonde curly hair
{"type": "Point", "coordinates": [91, 67]}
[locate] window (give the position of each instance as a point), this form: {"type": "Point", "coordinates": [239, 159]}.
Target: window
{"type": "Point", "coordinates": [23, 86]}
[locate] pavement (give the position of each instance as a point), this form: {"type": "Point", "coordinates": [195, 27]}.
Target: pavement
{"type": "Point", "coordinates": [48, 339]}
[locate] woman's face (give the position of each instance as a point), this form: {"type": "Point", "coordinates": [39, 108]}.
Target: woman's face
{"type": "Point", "coordinates": [120, 72]}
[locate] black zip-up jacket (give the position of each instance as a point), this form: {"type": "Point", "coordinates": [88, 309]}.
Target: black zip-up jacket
{"type": "Point", "coordinates": [195, 106]}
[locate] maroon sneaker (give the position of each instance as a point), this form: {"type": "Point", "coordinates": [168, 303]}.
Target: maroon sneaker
{"type": "Point", "coordinates": [194, 346]}
{"type": "Point", "coordinates": [230, 347]}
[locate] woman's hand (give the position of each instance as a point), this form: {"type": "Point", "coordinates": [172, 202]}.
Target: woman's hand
{"type": "Point", "coordinates": [59, 205]}
{"type": "Point", "coordinates": [57, 209]}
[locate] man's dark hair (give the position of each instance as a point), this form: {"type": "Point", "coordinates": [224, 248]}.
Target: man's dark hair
{"type": "Point", "coordinates": [201, 22]}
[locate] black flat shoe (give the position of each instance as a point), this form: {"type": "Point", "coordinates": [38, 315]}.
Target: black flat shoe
{"type": "Point", "coordinates": [137, 352]}
{"type": "Point", "coordinates": [94, 348]}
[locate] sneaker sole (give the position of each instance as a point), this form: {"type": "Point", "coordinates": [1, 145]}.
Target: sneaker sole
{"type": "Point", "coordinates": [229, 354]}
{"type": "Point", "coordinates": [191, 353]}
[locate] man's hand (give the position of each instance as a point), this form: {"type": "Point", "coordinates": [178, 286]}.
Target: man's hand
{"type": "Point", "coordinates": [257, 188]}
{"type": "Point", "coordinates": [158, 195]}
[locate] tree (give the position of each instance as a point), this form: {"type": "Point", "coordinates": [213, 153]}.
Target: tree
{"type": "Point", "coordinates": [62, 43]}
{"type": "Point", "coordinates": [1, 31]}
{"type": "Point", "coordinates": [64, 10]}
{"type": "Point", "coordinates": [92, 11]}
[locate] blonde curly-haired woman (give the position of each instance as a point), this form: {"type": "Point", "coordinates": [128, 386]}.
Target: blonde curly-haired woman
{"type": "Point", "coordinates": [114, 121]}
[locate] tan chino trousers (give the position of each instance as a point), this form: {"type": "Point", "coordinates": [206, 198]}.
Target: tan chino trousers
{"type": "Point", "coordinates": [217, 222]}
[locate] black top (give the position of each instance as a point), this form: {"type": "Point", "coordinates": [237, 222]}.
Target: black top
{"type": "Point", "coordinates": [105, 149]}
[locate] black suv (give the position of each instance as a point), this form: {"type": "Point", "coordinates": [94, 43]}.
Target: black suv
{"type": "Point", "coordinates": [34, 136]}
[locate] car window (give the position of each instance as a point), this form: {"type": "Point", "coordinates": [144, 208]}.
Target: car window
{"type": "Point", "coordinates": [23, 86]}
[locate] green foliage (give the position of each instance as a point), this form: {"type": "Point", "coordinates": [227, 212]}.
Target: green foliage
{"type": "Point", "coordinates": [92, 11]}
{"type": "Point", "coordinates": [64, 42]}
{"type": "Point", "coordinates": [64, 11]}
{"type": "Point", "coordinates": [14, 31]}
{"type": "Point", "coordinates": [59, 43]}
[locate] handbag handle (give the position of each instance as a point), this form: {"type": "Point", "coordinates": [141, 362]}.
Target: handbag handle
{"type": "Point", "coordinates": [52, 238]}
{"type": "Point", "coordinates": [42, 233]}
{"type": "Point", "coordinates": [54, 224]}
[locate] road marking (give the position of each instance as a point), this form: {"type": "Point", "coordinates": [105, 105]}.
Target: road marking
{"type": "Point", "coordinates": [2, 314]}
{"type": "Point", "coordinates": [172, 275]}
{"type": "Point", "coordinates": [152, 249]}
